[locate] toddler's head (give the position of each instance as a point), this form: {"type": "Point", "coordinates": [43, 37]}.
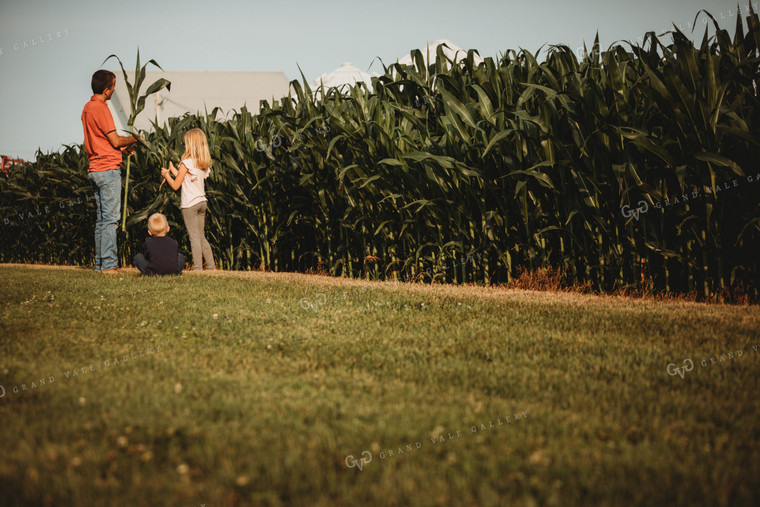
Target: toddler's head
{"type": "Point", "coordinates": [158, 225]}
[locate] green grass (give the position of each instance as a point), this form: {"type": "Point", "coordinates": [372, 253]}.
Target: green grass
{"type": "Point", "coordinates": [262, 404]}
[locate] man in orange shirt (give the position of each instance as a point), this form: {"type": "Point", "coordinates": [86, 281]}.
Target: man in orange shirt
{"type": "Point", "coordinates": [104, 148]}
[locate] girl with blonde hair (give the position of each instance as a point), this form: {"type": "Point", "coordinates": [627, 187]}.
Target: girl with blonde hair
{"type": "Point", "coordinates": [193, 170]}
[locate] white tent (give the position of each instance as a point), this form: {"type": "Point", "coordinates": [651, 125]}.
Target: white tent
{"type": "Point", "coordinates": [345, 75]}
{"type": "Point", "coordinates": [454, 52]}
{"type": "Point", "coordinates": [193, 92]}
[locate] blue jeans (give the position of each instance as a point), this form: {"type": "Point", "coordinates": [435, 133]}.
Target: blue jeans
{"type": "Point", "coordinates": [107, 185]}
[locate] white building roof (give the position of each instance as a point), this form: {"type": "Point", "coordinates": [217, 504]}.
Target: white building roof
{"type": "Point", "coordinates": [454, 52]}
{"type": "Point", "coordinates": [346, 74]}
{"type": "Point", "coordinates": [193, 92]}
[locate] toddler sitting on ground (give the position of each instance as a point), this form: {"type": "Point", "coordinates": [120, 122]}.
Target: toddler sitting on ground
{"type": "Point", "coordinates": [162, 255]}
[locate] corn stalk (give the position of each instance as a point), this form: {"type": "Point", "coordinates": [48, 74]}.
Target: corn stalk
{"type": "Point", "coordinates": [136, 105]}
{"type": "Point", "coordinates": [468, 172]}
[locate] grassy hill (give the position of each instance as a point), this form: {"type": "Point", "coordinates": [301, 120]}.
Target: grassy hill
{"type": "Point", "coordinates": [250, 388]}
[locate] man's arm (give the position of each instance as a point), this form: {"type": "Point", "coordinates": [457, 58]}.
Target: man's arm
{"type": "Point", "coordinates": [118, 141]}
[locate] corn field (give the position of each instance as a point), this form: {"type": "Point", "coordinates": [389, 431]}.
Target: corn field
{"type": "Point", "coordinates": [626, 168]}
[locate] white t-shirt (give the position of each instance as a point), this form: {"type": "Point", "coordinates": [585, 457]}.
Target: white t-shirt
{"type": "Point", "coordinates": [192, 190]}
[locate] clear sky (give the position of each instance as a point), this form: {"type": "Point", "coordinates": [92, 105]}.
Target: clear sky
{"type": "Point", "coordinates": [50, 48]}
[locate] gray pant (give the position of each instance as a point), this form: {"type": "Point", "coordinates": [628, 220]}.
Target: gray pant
{"type": "Point", "coordinates": [195, 217]}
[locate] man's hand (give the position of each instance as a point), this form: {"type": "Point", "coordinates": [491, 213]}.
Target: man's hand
{"type": "Point", "coordinates": [118, 141]}
{"type": "Point", "coordinates": [128, 150]}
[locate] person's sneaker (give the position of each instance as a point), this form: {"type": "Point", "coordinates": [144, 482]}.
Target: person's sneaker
{"type": "Point", "coordinates": [113, 271]}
